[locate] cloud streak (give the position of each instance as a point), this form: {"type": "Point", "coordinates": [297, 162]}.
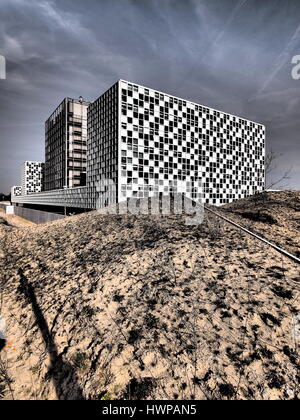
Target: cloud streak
{"type": "Point", "coordinates": [283, 58]}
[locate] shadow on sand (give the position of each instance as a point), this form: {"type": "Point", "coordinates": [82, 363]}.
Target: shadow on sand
{"type": "Point", "coordinates": [62, 374]}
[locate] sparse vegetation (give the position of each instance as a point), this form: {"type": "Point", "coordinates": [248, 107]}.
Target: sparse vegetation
{"type": "Point", "coordinates": [146, 307]}
{"type": "Point", "coordinates": [80, 361]}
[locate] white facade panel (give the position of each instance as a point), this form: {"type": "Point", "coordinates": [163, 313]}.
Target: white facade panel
{"type": "Point", "coordinates": [32, 177]}
{"type": "Point", "coordinates": [165, 140]}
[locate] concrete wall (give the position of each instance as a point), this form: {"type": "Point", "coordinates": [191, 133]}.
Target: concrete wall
{"type": "Point", "coordinates": [37, 216]}
{"type": "Point", "coordinates": [10, 210]}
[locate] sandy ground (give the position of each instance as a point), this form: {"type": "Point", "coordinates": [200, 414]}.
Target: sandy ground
{"type": "Point", "coordinates": [14, 220]}
{"type": "Point", "coordinates": [276, 216]}
{"type": "Point", "coordinates": [146, 308]}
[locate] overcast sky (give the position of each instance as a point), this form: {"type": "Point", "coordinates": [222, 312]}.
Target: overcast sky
{"type": "Point", "coordinates": [233, 55]}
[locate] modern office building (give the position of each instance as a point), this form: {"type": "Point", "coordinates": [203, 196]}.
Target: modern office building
{"type": "Point", "coordinates": [66, 145]}
{"type": "Point", "coordinates": [103, 154]}
{"type": "Point", "coordinates": [32, 174]}
{"type": "Point", "coordinates": [150, 143]}
{"type": "Point", "coordinates": [16, 190]}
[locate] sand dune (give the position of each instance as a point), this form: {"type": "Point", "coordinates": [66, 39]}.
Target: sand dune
{"type": "Point", "coordinates": [136, 307]}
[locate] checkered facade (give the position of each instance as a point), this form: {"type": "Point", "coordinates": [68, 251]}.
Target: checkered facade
{"type": "Point", "coordinates": [149, 143]}
{"type": "Point", "coordinates": [166, 142]}
{"type": "Point", "coordinates": [32, 177]}
{"type": "Point", "coordinates": [16, 190]}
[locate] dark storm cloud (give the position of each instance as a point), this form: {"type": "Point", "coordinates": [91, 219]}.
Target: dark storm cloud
{"type": "Point", "coordinates": [233, 55]}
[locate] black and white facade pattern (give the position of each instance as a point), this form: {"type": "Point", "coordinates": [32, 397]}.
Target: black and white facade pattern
{"type": "Point", "coordinates": [16, 190]}
{"type": "Point", "coordinates": [148, 143]}
{"type": "Point", "coordinates": [167, 142]}
{"type": "Point", "coordinates": [32, 177]}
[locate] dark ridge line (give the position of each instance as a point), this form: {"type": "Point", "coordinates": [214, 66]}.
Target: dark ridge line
{"type": "Point", "coordinates": [277, 248]}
